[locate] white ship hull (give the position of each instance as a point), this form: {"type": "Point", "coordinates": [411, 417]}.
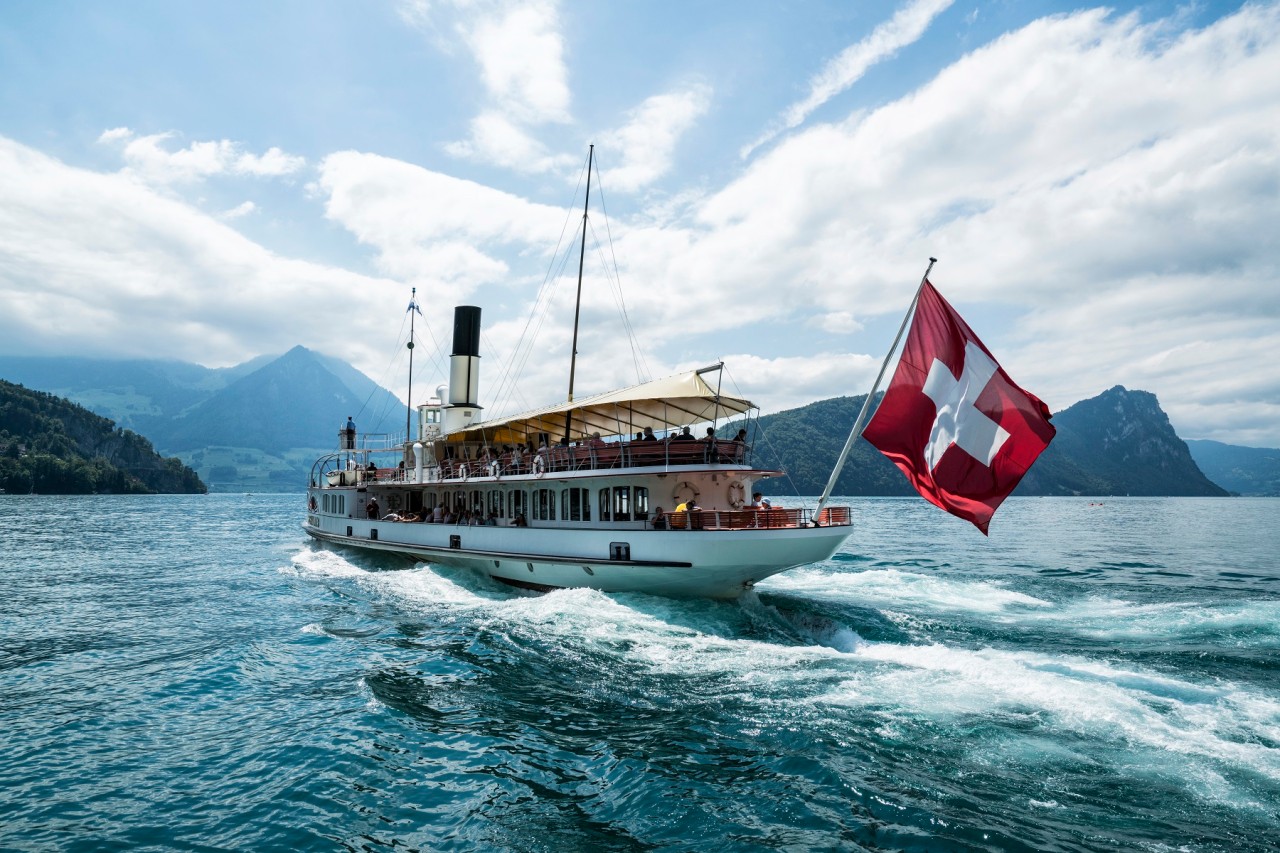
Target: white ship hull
{"type": "Point", "coordinates": [681, 563]}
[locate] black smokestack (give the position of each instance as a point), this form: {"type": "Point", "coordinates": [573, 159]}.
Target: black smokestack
{"type": "Point", "coordinates": [466, 330]}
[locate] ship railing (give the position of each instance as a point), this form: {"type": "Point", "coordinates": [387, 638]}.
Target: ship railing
{"type": "Point", "coordinates": [371, 441]}
{"type": "Point", "coordinates": [755, 519]}
{"type": "Point", "coordinates": [586, 457]}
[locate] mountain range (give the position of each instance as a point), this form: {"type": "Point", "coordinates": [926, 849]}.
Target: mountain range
{"type": "Point", "coordinates": [259, 426]}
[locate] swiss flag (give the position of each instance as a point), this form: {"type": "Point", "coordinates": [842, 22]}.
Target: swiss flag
{"type": "Point", "coordinates": [953, 421]}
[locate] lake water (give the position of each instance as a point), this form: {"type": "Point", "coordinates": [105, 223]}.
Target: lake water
{"type": "Point", "coordinates": [190, 673]}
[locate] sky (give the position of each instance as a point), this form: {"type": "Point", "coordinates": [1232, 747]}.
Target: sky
{"type": "Point", "coordinates": [215, 182]}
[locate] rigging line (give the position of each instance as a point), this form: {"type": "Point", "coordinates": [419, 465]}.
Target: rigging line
{"type": "Point", "coordinates": [381, 382]}
{"type": "Point", "coordinates": [537, 319]}
{"type": "Point", "coordinates": [608, 229]}
{"type": "Point", "coordinates": [616, 289]}
{"type": "Point", "coordinates": [761, 434]}
{"type": "Point", "coordinates": [547, 278]}
{"type": "Point", "coordinates": [519, 356]}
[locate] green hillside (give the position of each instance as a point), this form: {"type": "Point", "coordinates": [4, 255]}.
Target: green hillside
{"type": "Point", "coordinates": [53, 446]}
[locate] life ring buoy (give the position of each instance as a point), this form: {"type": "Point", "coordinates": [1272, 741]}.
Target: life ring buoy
{"type": "Point", "coordinates": [737, 494]}
{"type": "Point", "coordinates": [539, 466]}
{"type": "Point", "coordinates": [683, 492]}
{"type": "Point", "coordinates": [494, 468]}
{"type": "Point", "coordinates": [462, 471]}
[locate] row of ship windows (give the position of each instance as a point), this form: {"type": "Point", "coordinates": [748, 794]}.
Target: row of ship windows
{"type": "Point", "coordinates": [615, 503]}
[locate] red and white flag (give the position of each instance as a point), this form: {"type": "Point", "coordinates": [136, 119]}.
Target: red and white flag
{"type": "Point", "coordinates": [953, 421]}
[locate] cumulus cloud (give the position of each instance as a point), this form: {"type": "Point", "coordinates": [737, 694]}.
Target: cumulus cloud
{"type": "Point", "coordinates": [150, 159]}
{"type": "Point", "coordinates": [519, 51]}
{"type": "Point", "coordinates": [428, 227]}
{"type": "Point", "coordinates": [243, 209]}
{"type": "Point", "coordinates": [649, 137]}
{"type": "Point", "coordinates": [101, 264]}
{"type": "Point", "coordinates": [904, 28]}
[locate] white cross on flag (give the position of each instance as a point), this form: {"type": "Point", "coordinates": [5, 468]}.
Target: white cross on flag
{"type": "Point", "coordinates": [953, 421]}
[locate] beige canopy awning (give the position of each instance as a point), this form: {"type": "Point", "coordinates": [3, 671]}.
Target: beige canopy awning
{"type": "Point", "coordinates": [678, 400]}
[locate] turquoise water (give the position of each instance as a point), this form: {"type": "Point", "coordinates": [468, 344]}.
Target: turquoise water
{"type": "Point", "coordinates": [190, 673]}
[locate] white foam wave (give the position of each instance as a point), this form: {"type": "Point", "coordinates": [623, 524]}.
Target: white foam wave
{"type": "Point", "coordinates": [1106, 704]}
{"type": "Point", "coordinates": [1093, 699]}
{"type": "Point", "coordinates": [1115, 619]}
{"type": "Point", "coordinates": [896, 589]}
{"type": "Point", "coordinates": [321, 562]}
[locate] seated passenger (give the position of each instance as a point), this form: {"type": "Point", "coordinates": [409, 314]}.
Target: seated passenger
{"type": "Point", "coordinates": [683, 435]}
{"type": "Point", "coordinates": [519, 520]}
{"type": "Point", "coordinates": [659, 519]}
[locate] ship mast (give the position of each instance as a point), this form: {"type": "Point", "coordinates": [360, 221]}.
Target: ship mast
{"type": "Point", "coordinates": [577, 306]}
{"type": "Point", "coordinates": [412, 309]}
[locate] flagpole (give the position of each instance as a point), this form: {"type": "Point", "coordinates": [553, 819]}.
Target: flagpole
{"type": "Point", "coordinates": [408, 417]}
{"type": "Point", "coordinates": [866, 404]}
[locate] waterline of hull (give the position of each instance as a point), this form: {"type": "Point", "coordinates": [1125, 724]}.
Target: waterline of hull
{"type": "Point", "coordinates": [671, 563]}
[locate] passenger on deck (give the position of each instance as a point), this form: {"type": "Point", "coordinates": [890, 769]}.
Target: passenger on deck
{"type": "Point", "coordinates": [349, 435]}
{"type": "Point", "coordinates": [741, 436]}
{"type": "Point", "coordinates": [659, 519]}
{"type": "Point", "coordinates": [683, 435]}
{"type": "Point", "coordinates": [596, 440]}
{"type": "Point", "coordinates": [371, 471]}
{"type": "Point", "coordinates": [648, 434]}
{"type": "Point", "coordinates": [371, 508]}
{"type": "Point", "coordinates": [519, 520]}
{"type": "Point", "coordinates": [492, 521]}
{"type": "Point", "coordinates": [437, 514]}
{"type": "Point", "coordinates": [695, 515]}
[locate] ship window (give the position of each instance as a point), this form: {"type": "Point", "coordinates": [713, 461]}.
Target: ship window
{"type": "Point", "coordinates": [575, 505]}
{"type": "Point", "coordinates": [326, 503]}
{"type": "Point", "coordinates": [544, 507]}
{"type": "Point", "coordinates": [495, 503]}
{"type": "Point", "coordinates": [621, 503]}
{"type": "Point", "coordinates": [515, 504]}
{"type": "Point", "coordinates": [430, 499]}
{"type": "Point", "coordinates": [606, 505]}
{"type": "Point", "coordinates": [477, 501]}
{"type": "Point", "coordinates": [459, 501]}
{"type": "Point", "coordinates": [641, 503]}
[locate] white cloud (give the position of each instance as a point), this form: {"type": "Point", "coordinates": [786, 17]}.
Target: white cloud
{"type": "Point", "coordinates": [519, 51]}
{"type": "Point", "coordinates": [431, 228]}
{"type": "Point", "coordinates": [521, 56]}
{"type": "Point", "coordinates": [240, 210]}
{"type": "Point", "coordinates": [100, 264]}
{"type": "Point", "coordinates": [648, 139]}
{"type": "Point", "coordinates": [904, 28]}
{"type": "Point", "coordinates": [496, 139]}
{"type": "Point", "coordinates": [148, 158]}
